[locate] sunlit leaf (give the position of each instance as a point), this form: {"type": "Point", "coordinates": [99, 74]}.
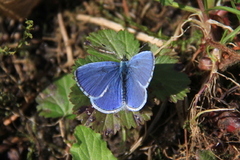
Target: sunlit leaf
{"type": "Point", "coordinates": [53, 101]}
{"type": "Point", "coordinates": [89, 145]}
{"type": "Point", "coordinates": [115, 44]}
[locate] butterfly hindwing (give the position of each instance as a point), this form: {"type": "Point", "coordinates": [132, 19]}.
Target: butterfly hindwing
{"type": "Point", "coordinates": [111, 101]}
{"type": "Point", "coordinates": [136, 95]}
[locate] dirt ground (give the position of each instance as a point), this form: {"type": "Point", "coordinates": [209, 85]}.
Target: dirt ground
{"type": "Point", "coordinates": [204, 125]}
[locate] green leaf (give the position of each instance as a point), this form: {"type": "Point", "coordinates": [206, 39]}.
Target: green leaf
{"type": "Point", "coordinates": [116, 44]}
{"type": "Point", "coordinates": [53, 102]}
{"type": "Point", "coordinates": [89, 146]}
{"type": "Point", "coordinates": [206, 155]}
{"type": "Point", "coordinates": [78, 98]}
{"type": "Point", "coordinates": [88, 59]}
{"type": "Point", "coordinates": [167, 81]}
{"type": "Point", "coordinates": [166, 2]}
{"type": "Point", "coordinates": [108, 124]}
{"type": "Point", "coordinates": [230, 36]}
{"type": "Point", "coordinates": [225, 8]}
{"type": "Point", "coordinates": [178, 5]}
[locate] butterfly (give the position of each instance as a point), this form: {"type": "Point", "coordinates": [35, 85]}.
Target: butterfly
{"type": "Point", "coordinates": [113, 86]}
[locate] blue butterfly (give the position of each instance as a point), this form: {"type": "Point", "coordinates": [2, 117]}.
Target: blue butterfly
{"type": "Point", "coordinates": [113, 86]}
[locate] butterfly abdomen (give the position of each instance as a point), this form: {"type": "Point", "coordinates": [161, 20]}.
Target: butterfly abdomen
{"type": "Point", "coordinates": [123, 73]}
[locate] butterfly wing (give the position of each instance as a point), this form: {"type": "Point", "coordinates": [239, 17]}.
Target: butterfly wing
{"type": "Point", "coordinates": [111, 101]}
{"type": "Point", "coordinates": [140, 71]}
{"type": "Point", "coordinates": [94, 78]}
{"type": "Point", "coordinates": [101, 82]}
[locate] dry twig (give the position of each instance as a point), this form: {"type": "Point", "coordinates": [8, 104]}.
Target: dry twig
{"type": "Point", "coordinates": [117, 27]}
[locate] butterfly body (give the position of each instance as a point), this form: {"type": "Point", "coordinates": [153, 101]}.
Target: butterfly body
{"type": "Point", "coordinates": [123, 73]}
{"type": "Point", "coordinates": [113, 86]}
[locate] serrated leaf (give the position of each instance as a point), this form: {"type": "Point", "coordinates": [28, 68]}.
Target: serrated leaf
{"type": "Point", "coordinates": [89, 59]}
{"type": "Point", "coordinates": [167, 81]}
{"type": "Point", "coordinates": [108, 124]}
{"type": "Point", "coordinates": [77, 98]}
{"type": "Point", "coordinates": [120, 44]}
{"type": "Point", "coordinates": [89, 146]}
{"type": "Point", "coordinates": [53, 102]}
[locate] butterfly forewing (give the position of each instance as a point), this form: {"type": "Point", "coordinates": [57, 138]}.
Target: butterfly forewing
{"type": "Point", "coordinates": [94, 78]}
{"type": "Point", "coordinates": [136, 95]}
{"type": "Point", "coordinates": [140, 70]}
{"type": "Point", "coordinates": [141, 67]}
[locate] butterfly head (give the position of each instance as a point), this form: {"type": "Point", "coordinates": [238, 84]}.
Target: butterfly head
{"type": "Point", "coordinates": [124, 58]}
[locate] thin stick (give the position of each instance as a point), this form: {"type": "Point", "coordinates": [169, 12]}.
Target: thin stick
{"type": "Point", "coordinates": [66, 40]}
{"type": "Point", "coordinates": [230, 79]}
{"type": "Point", "coordinates": [117, 27]}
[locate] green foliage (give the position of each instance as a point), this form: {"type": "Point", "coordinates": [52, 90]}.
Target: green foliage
{"type": "Point", "coordinates": [29, 27]}
{"type": "Point", "coordinates": [166, 2]}
{"type": "Point", "coordinates": [7, 51]}
{"type": "Point", "coordinates": [89, 145]}
{"type": "Point", "coordinates": [208, 4]}
{"type": "Point", "coordinates": [229, 9]}
{"type": "Point", "coordinates": [53, 102]}
{"type": "Point", "coordinates": [183, 44]}
{"type": "Point", "coordinates": [178, 5]}
{"type": "Point", "coordinates": [229, 37]}
{"type": "Point", "coordinates": [108, 124]}
{"type": "Point", "coordinates": [118, 44]}
{"type": "Point", "coordinates": [233, 3]}
{"type": "Point", "coordinates": [26, 34]}
{"type": "Point", "coordinates": [90, 58]}
{"type": "Point", "coordinates": [206, 155]}
{"type": "Point", "coordinates": [167, 82]}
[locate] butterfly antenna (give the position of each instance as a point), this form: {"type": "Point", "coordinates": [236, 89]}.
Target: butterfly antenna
{"type": "Point", "coordinates": [144, 45]}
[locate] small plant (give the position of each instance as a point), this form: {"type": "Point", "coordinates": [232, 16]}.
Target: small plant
{"type": "Point", "coordinates": [26, 34]}
{"type": "Point", "coordinates": [166, 83]}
